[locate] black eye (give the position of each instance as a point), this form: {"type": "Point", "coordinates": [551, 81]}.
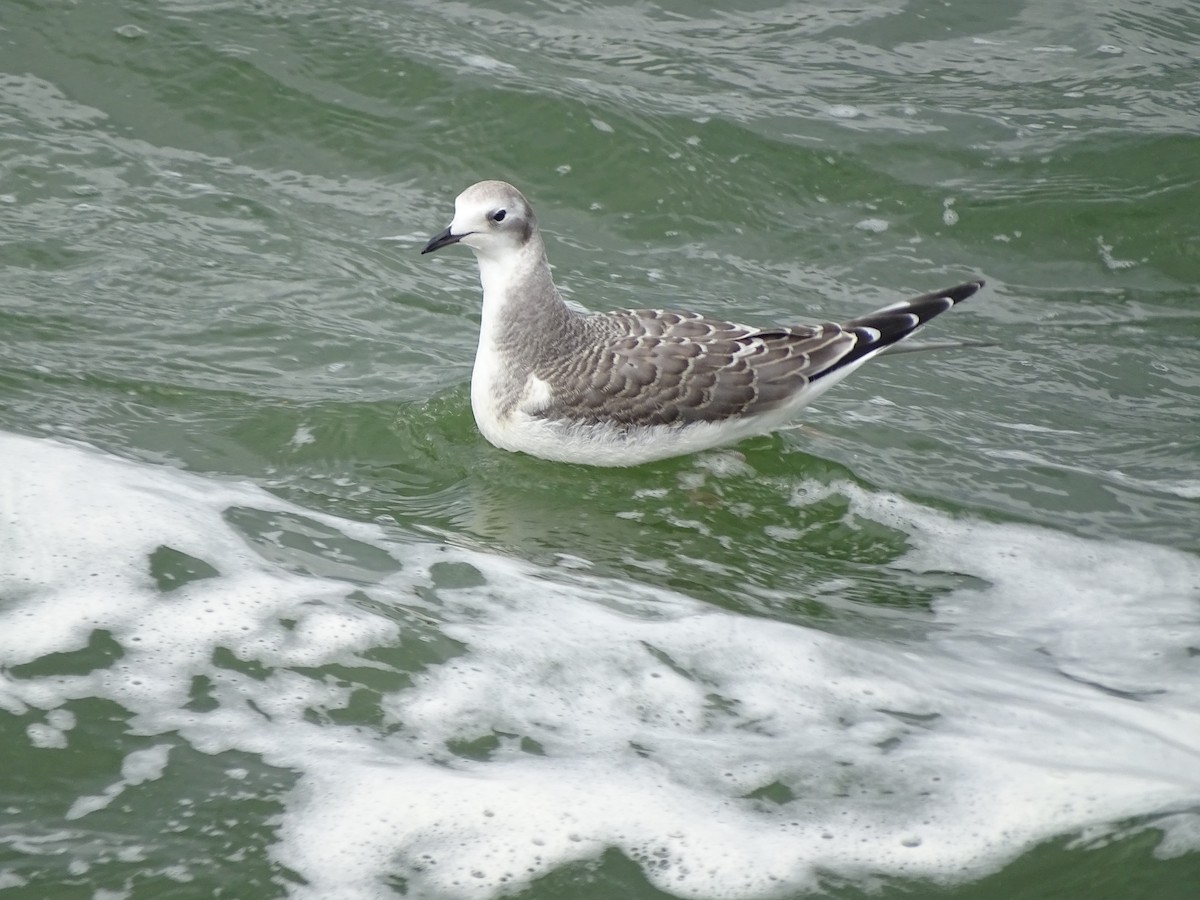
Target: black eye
{"type": "Point", "coordinates": [498, 215]}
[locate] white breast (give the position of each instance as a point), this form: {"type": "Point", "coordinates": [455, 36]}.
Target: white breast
{"type": "Point", "coordinates": [485, 400]}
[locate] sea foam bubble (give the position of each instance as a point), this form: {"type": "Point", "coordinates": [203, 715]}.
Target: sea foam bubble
{"type": "Point", "coordinates": [470, 722]}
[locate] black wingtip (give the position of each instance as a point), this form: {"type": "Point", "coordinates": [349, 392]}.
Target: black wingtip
{"type": "Point", "coordinates": [934, 299]}
{"type": "Point", "coordinates": [923, 307]}
{"type": "Point", "coordinates": [883, 328]}
{"type": "Point", "coordinates": [961, 292]}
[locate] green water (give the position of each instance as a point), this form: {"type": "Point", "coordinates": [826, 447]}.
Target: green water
{"type": "Point", "coordinates": [210, 218]}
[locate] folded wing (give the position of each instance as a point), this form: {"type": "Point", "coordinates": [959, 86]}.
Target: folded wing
{"type": "Point", "coordinates": [660, 367]}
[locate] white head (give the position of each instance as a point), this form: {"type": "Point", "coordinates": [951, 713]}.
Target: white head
{"type": "Point", "coordinates": [492, 218]}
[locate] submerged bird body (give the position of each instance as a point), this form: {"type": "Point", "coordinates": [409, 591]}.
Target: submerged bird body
{"type": "Point", "coordinates": [631, 386]}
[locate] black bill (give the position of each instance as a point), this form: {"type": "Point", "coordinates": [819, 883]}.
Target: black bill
{"type": "Point", "coordinates": [445, 239]}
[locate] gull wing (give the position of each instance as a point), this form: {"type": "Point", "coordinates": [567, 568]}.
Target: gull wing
{"type": "Point", "coordinates": [663, 367]}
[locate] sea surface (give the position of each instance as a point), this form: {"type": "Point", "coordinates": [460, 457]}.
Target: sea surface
{"type": "Point", "coordinates": [276, 622]}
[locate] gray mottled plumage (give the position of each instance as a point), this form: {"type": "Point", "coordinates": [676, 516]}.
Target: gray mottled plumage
{"type": "Point", "coordinates": [623, 387]}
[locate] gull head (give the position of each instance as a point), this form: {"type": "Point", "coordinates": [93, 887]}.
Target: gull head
{"type": "Point", "coordinates": [493, 218]}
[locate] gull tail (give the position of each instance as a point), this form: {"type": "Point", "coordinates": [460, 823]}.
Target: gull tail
{"type": "Point", "coordinates": [922, 346]}
{"type": "Point", "coordinates": [881, 330]}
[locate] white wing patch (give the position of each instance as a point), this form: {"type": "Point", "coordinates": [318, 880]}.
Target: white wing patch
{"type": "Point", "coordinates": [537, 395]}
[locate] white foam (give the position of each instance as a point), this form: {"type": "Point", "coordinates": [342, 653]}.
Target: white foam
{"type": "Point", "coordinates": [875, 225]}
{"type": "Point", "coordinates": [1110, 261]}
{"type": "Point", "coordinates": [556, 714]}
{"type": "Point", "coordinates": [42, 735]}
{"type": "Point", "coordinates": [137, 767]}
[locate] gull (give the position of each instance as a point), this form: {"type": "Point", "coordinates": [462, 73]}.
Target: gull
{"type": "Point", "coordinates": [631, 386]}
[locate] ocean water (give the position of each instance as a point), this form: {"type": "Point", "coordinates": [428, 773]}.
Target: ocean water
{"type": "Point", "coordinates": [276, 622]}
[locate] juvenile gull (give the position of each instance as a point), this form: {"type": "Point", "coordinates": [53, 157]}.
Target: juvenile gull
{"type": "Point", "coordinates": [630, 386]}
